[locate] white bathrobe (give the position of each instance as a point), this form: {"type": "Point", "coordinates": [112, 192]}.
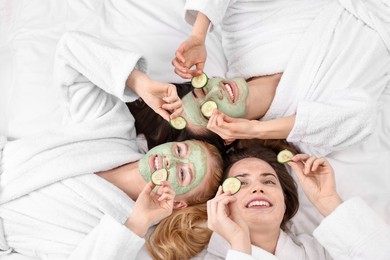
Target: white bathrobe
{"type": "Point", "coordinates": [338, 85]}
{"type": "Point", "coordinates": [353, 231]}
{"type": "Point", "coordinates": [337, 78]}
{"type": "Point", "coordinates": [258, 36]}
{"type": "Point", "coordinates": [334, 56]}
{"type": "Point", "coordinates": [53, 206]}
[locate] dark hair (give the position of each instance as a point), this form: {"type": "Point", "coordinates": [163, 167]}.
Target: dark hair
{"type": "Point", "coordinates": [267, 151]}
{"type": "Point", "coordinates": [157, 130]}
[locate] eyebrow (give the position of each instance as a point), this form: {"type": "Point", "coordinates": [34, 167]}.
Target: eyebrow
{"type": "Point", "coordinates": [243, 175]}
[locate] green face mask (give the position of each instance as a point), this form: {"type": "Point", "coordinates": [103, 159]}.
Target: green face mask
{"type": "Point", "coordinates": [230, 96]}
{"type": "Point", "coordinates": [186, 163]}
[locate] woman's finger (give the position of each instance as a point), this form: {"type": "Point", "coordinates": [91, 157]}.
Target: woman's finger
{"type": "Point", "coordinates": [318, 162]}
{"type": "Point", "coordinates": [309, 164]}
{"type": "Point", "coordinates": [298, 170]}
{"type": "Point", "coordinates": [183, 73]}
{"type": "Point", "coordinates": [163, 113]}
{"type": "Point", "coordinates": [166, 196]}
{"type": "Point", "coordinates": [223, 206]}
{"type": "Point", "coordinates": [300, 157]}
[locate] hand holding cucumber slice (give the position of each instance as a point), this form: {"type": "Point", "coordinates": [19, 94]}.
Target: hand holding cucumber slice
{"type": "Point", "coordinates": [285, 156]}
{"type": "Point", "coordinates": [208, 107]}
{"type": "Point", "coordinates": [200, 81]}
{"type": "Point", "coordinates": [178, 123]}
{"type": "Point", "coordinates": [159, 176]}
{"type": "Point", "coordinates": [231, 184]}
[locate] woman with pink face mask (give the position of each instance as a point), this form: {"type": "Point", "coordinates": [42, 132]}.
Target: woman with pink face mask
{"type": "Point", "coordinates": [253, 223]}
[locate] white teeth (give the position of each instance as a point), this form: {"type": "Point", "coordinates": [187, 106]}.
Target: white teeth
{"type": "Point", "coordinates": [258, 203]}
{"type": "Point", "coordinates": [229, 90]}
{"type": "Point", "coordinates": [156, 163]}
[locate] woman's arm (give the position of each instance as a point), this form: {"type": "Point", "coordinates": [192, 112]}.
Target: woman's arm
{"type": "Point", "coordinates": [108, 240]}
{"type": "Point", "coordinates": [112, 240]}
{"type": "Point", "coordinates": [223, 220]}
{"type": "Point", "coordinates": [354, 231]}
{"type": "Point", "coordinates": [192, 52]}
{"type": "Point", "coordinates": [231, 129]}
{"type": "Point", "coordinates": [161, 97]}
{"type": "Point", "coordinates": [351, 229]}
{"type": "Point", "coordinates": [150, 208]}
{"type": "Point", "coordinates": [88, 68]}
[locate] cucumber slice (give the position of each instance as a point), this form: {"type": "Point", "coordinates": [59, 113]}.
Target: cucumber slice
{"type": "Point", "coordinates": [159, 176]}
{"type": "Point", "coordinates": [208, 107]}
{"type": "Point", "coordinates": [200, 81]}
{"type": "Point", "coordinates": [284, 156]}
{"type": "Point", "coordinates": [231, 184]}
{"type": "Point", "coordinates": [178, 123]}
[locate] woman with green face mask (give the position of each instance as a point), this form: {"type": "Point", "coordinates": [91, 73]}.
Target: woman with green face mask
{"type": "Point", "coordinates": [83, 190]}
{"type": "Point", "coordinates": [303, 84]}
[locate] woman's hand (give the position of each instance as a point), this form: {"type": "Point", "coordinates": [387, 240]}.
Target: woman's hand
{"type": "Point", "coordinates": [151, 207]}
{"type": "Point", "coordinates": [191, 52]}
{"type": "Point", "coordinates": [225, 220]}
{"type": "Point", "coordinates": [229, 128]}
{"type": "Point", "coordinates": [316, 176]}
{"type": "Point", "coordinates": [161, 97]}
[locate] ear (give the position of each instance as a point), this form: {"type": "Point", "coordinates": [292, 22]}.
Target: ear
{"type": "Point", "coordinates": [179, 204]}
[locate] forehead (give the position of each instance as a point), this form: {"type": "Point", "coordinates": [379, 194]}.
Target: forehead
{"type": "Point", "coordinates": [251, 166]}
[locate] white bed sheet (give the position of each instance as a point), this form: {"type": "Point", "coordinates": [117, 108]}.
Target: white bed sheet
{"type": "Point", "coordinates": [30, 30]}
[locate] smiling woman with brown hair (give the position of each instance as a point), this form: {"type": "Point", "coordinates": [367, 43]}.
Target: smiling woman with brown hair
{"type": "Point", "coordinates": [251, 224]}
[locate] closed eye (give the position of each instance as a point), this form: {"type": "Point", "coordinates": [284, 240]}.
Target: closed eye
{"type": "Point", "coordinates": [199, 93]}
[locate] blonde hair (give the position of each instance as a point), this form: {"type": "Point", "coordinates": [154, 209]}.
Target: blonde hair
{"type": "Point", "coordinates": [184, 234]}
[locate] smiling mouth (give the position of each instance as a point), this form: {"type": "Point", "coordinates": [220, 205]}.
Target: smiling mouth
{"type": "Point", "coordinates": [258, 203]}
{"type": "Point", "coordinates": [156, 163]}
{"type": "Point", "coordinates": [230, 89]}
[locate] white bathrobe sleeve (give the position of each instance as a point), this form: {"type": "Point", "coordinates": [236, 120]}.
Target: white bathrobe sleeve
{"type": "Point", "coordinates": [88, 69]}
{"type": "Point", "coordinates": [346, 119]}
{"type": "Point", "coordinates": [354, 231]}
{"type": "Point", "coordinates": [93, 75]}
{"type": "Point", "coordinates": [215, 10]}
{"type": "Point", "coordinates": [108, 240]}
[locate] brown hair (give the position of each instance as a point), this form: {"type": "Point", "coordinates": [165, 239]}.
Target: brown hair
{"type": "Point", "coordinates": [184, 234]}
{"type": "Point", "coordinates": [267, 151]}
{"type": "Point", "coordinates": [157, 130]}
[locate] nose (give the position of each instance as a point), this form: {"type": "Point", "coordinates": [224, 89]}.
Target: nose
{"type": "Point", "coordinates": [170, 161]}
{"type": "Point", "coordinates": [166, 161]}
{"type": "Point", "coordinates": [257, 189]}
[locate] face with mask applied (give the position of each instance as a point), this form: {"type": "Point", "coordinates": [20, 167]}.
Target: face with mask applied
{"type": "Point", "coordinates": [229, 95]}
{"type": "Point", "coordinates": [186, 164]}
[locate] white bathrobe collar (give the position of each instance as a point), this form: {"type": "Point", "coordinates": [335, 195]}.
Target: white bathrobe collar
{"type": "Point", "coordinates": [219, 246]}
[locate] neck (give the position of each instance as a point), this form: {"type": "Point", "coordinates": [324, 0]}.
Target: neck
{"type": "Point", "coordinates": [127, 178]}
{"type": "Point", "coordinates": [261, 94]}
{"type": "Point", "coordinates": [265, 239]}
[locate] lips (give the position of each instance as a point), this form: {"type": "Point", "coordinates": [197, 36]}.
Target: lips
{"type": "Point", "coordinates": [155, 162]}
{"type": "Point", "coordinates": [259, 203]}
{"type": "Point", "coordinates": [231, 90]}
